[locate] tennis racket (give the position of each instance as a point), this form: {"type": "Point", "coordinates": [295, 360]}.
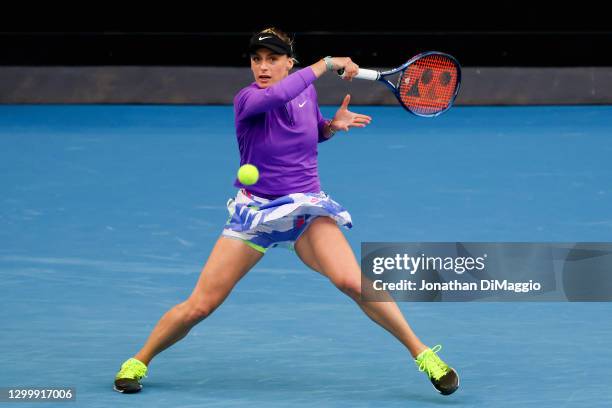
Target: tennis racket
{"type": "Point", "coordinates": [428, 83]}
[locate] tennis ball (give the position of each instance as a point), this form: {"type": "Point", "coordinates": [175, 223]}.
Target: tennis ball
{"type": "Point", "coordinates": [248, 174]}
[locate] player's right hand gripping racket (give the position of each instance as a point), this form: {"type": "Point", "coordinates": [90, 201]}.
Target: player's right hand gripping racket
{"type": "Point", "coordinates": [428, 83]}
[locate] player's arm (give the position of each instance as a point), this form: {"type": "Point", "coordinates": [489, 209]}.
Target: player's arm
{"type": "Point", "coordinates": [252, 101]}
{"type": "Point", "coordinates": [255, 101]}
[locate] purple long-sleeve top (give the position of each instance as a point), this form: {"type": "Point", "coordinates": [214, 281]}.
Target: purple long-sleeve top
{"type": "Point", "coordinates": [278, 129]}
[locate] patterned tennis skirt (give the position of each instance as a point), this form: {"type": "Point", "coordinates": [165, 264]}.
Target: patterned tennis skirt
{"type": "Point", "coordinates": [264, 223]}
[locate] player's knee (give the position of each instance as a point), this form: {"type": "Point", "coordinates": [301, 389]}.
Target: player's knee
{"type": "Point", "coordinates": [350, 286]}
{"type": "Point", "coordinates": [199, 309]}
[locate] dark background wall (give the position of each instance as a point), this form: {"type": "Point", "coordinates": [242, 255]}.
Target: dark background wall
{"type": "Point", "coordinates": [511, 52]}
{"type": "Point", "coordinates": [495, 34]}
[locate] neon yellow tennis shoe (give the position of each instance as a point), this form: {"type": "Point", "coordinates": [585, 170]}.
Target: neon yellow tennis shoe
{"type": "Point", "coordinates": [444, 378]}
{"type": "Point", "coordinates": [128, 378]}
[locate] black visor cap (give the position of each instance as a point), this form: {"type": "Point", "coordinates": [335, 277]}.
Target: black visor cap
{"type": "Point", "coordinates": [271, 42]}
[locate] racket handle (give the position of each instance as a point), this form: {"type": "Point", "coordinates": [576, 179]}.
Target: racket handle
{"type": "Point", "coordinates": [368, 74]}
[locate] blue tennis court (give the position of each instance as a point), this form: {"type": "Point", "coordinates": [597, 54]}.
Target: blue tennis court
{"type": "Point", "coordinates": [108, 213]}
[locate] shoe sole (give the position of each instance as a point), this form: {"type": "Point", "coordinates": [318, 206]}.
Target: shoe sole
{"type": "Point", "coordinates": [458, 383]}
{"type": "Point", "coordinates": [128, 392]}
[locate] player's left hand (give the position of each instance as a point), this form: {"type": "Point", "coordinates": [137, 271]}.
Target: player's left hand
{"type": "Point", "coordinates": [344, 119]}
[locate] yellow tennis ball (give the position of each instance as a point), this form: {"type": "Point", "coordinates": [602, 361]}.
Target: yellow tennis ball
{"type": "Point", "coordinates": [248, 174]}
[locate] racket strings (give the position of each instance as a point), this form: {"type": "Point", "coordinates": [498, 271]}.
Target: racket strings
{"type": "Point", "coordinates": [428, 86]}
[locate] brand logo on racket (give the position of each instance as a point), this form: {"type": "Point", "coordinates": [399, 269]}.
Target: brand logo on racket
{"type": "Point", "coordinates": [427, 83]}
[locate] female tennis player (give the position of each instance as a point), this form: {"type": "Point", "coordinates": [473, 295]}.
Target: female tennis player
{"type": "Point", "coordinates": [278, 125]}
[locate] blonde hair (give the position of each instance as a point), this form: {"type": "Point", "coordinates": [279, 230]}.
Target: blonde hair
{"type": "Point", "coordinates": [283, 36]}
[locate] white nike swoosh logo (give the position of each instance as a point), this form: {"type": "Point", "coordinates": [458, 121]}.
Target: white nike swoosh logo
{"type": "Point", "coordinates": [302, 104]}
{"type": "Point", "coordinates": [263, 38]}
